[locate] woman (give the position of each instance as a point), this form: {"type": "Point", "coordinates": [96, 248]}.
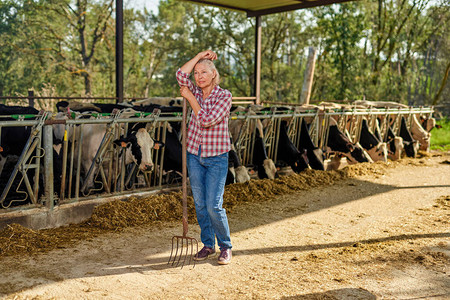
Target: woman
{"type": "Point", "coordinates": [208, 143]}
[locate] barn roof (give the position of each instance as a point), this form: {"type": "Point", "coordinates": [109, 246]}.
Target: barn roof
{"type": "Point", "coordinates": [263, 7]}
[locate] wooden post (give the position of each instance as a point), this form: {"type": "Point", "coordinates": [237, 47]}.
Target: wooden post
{"type": "Point", "coordinates": [257, 86]}
{"type": "Point", "coordinates": [309, 75]}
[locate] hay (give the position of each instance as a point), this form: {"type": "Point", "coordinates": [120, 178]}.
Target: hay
{"type": "Point", "coordinates": [117, 215]}
{"type": "Point", "coordinates": [258, 190]}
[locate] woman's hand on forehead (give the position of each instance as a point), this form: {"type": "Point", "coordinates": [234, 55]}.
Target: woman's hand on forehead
{"type": "Point", "coordinates": [208, 54]}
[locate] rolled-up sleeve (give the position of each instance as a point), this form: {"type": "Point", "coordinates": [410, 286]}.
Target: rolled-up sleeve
{"type": "Point", "coordinates": [217, 112]}
{"type": "Point", "coordinates": [183, 80]}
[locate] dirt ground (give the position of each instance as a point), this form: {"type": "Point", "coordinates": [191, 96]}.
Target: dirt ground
{"type": "Point", "coordinates": [382, 234]}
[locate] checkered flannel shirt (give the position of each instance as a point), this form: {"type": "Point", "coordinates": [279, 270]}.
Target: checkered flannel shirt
{"type": "Point", "coordinates": [209, 128]}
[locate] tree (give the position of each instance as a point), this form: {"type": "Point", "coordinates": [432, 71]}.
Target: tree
{"type": "Point", "coordinates": [87, 24]}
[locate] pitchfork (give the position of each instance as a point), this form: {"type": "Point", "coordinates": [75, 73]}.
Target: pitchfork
{"type": "Point", "coordinates": [184, 244]}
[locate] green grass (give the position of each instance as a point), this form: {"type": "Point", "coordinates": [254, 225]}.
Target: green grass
{"type": "Point", "coordinates": [440, 137]}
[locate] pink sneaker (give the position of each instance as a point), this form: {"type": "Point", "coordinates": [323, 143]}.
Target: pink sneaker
{"type": "Point", "coordinates": [224, 257]}
{"type": "Point", "coordinates": [205, 253]}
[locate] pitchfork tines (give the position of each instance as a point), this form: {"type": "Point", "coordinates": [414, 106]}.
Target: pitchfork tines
{"type": "Point", "coordinates": [183, 248]}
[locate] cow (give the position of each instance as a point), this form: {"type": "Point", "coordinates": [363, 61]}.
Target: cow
{"type": "Point", "coordinates": [314, 154]}
{"type": "Point", "coordinates": [395, 145]}
{"type": "Point", "coordinates": [262, 163]}
{"type": "Point", "coordinates": [172, 159]}
{"type": "Point", "coordinates": [288, 153]}
{"type": "Point", "coordinates": [162, 109]}
{"type": "Point", "coordinates": [12, 145]}
{"type": "Point", "coordinates": [109, 108]}
{"type": "Point", "coordinates": [163, 101]}
{"type": "Point", "coordinates": [428, 123]}
{"type": "Point", "coordinates": [136, 143]}
{"type": "Point", "coordinates": [340, 143]}
{"type": "Point", "coordinates": [13, 139]}
{"type": "Point", "coordinates": [420, 134]}
{"type": "Point", "coordinates": [16, 194]}
{"type": "Point", "coordinates": [376, 149]}
{"type": "Point", "coordinates": [379, 104]}
{"type": "Point", "coordinates": [7, 110]}
{"type": "Point", "coordinates": [72, 105]}
{"type": "Point", "coordinates": [236, 171]}
{"type": "Point", "coordinates": [410, 145]}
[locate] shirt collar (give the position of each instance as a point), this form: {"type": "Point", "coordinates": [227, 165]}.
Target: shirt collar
{"type": "Point", "coordinates": [214, 91]}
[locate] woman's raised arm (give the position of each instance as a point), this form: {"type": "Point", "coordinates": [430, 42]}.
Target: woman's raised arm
{"type": "Point", "coordinates": [189, 66]}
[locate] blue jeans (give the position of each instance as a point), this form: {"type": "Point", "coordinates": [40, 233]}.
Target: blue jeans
{"type": "Point", "coordinates": [207, 176]}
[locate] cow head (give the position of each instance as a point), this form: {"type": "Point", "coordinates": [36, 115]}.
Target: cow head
{"type": "Point", "coordinates": [300, 163]}
{"type": "Point", "coordinates": [411, 148]}
{"type": "Point", "coordinates": [316, 158]}
{"type": "Point", "coordinates": [395, 148]}
{"type": "Point", "coordinates": [335, 162]}
{"type": "Point", "coordinates": [270, 168]}
{"type": "Point", "coordinates": [231, 176]}
{"type": "Point", "coordinates": [420, 134]}
{"type": "Point", "coordinates": [378, 153]}
{"type": "Point", "coordinates": [241, 174]}
{"type": "Point", "coordinates": [138, 146]}
{"type": "Point", "coordinates": [357, 155]}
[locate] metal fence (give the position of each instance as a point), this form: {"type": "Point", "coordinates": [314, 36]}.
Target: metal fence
{"type": "Point", "coordinates": [36, 180]}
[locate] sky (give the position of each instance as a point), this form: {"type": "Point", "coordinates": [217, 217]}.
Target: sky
{"type": "Point", "coordinates": [140, 4]}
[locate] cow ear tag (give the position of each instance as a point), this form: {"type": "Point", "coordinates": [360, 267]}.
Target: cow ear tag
{"type": "Point", "coordinates": [123, 144]}
{"type": "Point", "coordinates": [1, 149]}
{"type": "Point", "coordinates": [156, 146]}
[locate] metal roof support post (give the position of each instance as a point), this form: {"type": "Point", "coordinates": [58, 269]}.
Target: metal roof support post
{"type": "Point", "coordinates": [257, 87]}
{"type": "Point", "coordinates": [119, 51]}
{"type": "Point", "coordinates": [48, 166]}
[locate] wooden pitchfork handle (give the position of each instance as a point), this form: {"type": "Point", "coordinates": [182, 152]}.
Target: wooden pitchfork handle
{"type": "Point", "coordinates": [183, 168]}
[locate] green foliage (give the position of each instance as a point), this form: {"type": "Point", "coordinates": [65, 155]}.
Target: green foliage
{"type": "Point", "coordinates": [440, 137]}
{"type": "Point", "coordinates": [380, 50]}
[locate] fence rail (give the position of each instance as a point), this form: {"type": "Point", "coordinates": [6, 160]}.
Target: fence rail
{"type": "Point", "coordinates": [37, 181]}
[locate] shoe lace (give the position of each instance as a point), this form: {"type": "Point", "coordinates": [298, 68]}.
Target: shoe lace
{"type": "Point", "coordinates": [205, 250]}
{"type": "Point", "coordinates": [224, 253]}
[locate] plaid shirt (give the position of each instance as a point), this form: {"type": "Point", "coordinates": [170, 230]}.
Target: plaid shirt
{"type": "Point", "coordinates": [210, 127]}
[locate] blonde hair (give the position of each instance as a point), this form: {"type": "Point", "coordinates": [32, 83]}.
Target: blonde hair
{"type": "Point", "coordinates": [209, 63]}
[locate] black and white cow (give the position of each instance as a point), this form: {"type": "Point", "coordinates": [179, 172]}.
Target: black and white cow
{"type": "Point", "coordinates": [288, 153]}
{"type": "Point", "coordinates": [7, 110]}
{"type": "Point", "coordinates": [136, 143]}
{"type": "Point", "coordinates": [428, 123]}
{"type": "Point", "coordinates": [420, 134]}
{"type": "Point", "coordinates": [314, 154]}
{"type": "Point", "coordinates": [410, 145]}
{"type": "Point", "coordinates": [163, 101]}
{"type": "Point", "coordinates": [237, 173]}
{"type": "Point", "coordinates": [262, 163]}
{"type": "Point", "coordinates": [72, 105]}
{"type": "Point", "coordinates": [12, 144]}
{"type": "Point", "coordinates": [340, 143]}
{"type": "Point", "coordinates": [395, 143]}
{"type": "Point", "coordinates": [376, 149]}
